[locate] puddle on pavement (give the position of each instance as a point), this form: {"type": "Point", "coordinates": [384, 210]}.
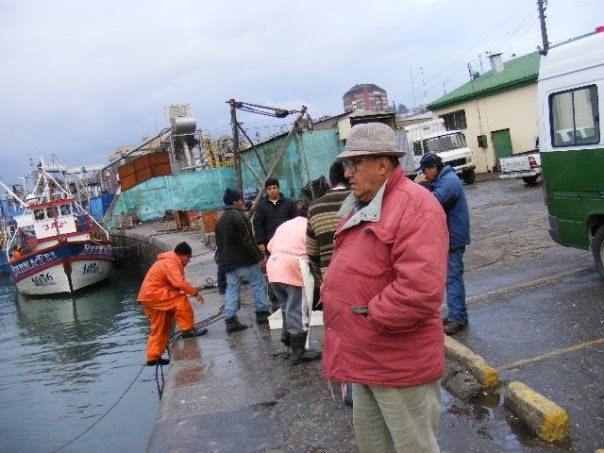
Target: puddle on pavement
{"type": "Point", "coordinates": [492, 420]}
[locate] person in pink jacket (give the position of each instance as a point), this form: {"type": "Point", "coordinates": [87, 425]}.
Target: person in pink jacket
{"type": "Point", "coordinates": [285, 267]}
{"type": "Point", "coordinates": [381, 296]}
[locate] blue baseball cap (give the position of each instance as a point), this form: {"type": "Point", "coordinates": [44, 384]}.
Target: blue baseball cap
{"type": "Point", "coordinates": [428, 160]}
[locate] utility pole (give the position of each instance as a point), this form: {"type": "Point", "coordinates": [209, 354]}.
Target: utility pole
{"type": "Point", "coordinates": [542, 5]}
{"type": "Point", "coordinates": [236, 156]}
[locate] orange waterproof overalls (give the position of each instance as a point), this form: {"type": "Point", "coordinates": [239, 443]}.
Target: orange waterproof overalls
{"type": "Point", "coordinates": [164, 297]}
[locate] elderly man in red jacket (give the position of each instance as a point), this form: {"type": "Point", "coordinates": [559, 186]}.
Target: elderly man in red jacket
{"type": "Point", "coordinates": [381, 297]}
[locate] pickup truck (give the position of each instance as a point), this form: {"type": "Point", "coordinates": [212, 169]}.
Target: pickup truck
{"type": "Point", "coordinates": [525, 165]}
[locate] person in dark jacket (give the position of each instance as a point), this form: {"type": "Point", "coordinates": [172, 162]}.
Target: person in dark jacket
{"type": "Point", "coordinates": [272, 211]}
{"type": "Point", "coordinates": [240, 258]}
{"type": "Point", "coordinates": [448, 190]}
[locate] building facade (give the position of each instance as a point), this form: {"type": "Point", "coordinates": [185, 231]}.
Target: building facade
{"type": "Point", "coordinates": [366, 96]}
{"type": "Point", "coordinates": [497, 111]}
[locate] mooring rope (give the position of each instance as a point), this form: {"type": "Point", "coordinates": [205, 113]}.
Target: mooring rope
{"type": "Point", "coordinates": [105, 414]}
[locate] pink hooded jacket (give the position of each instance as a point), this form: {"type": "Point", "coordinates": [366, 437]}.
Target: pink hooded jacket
{"type": "Point", "coordinates": [286, 247]}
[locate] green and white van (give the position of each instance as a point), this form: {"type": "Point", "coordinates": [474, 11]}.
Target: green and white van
{"type": "Point", "coordinates": [571, 104]}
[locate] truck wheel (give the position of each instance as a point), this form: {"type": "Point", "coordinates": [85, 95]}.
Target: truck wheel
{"type": "Point", "coordinates": [530, 180]}
{"type": "Point", "coordinates": [469, 177]}
{"type": "Point", "coordinates": [597, 248]}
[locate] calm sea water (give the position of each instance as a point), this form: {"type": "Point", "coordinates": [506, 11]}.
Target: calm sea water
{"type": "Point", "coordinates": [71, 373]}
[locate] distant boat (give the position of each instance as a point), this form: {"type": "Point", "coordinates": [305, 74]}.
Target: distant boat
{"type": "Point", "coordinates": [4, 267]}
{"type": "Point", "coordinates": [55, 246]}
{"type": "Point", "coordinates": [7, 210]}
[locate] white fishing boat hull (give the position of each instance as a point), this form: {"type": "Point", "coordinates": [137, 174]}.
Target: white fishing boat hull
{"type": "Point", "coordinates": [64, 268]}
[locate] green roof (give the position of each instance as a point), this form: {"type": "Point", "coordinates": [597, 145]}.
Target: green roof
{"type": "Point", "coordinates": [516, 73]}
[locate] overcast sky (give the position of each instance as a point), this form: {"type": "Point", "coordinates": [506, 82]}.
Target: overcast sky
{"type": "Point", "coordinates": [82, 77]}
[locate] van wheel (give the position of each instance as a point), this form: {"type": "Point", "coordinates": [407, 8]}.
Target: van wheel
{"type": "Point", "coordinates": [597, 248]}
{"type": "Point", "coordinates": [469, 177]}
{"type": "Point", "coordinates": [530, 180]}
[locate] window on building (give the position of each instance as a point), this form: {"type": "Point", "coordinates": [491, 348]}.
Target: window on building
{"type": "Point", "coordinates": [455, 120]}
{"type": "Point", "coordinates": [574, 117]}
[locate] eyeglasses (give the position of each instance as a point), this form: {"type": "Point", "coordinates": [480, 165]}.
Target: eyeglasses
{"type": "Point", "coordinates": [351, 164]}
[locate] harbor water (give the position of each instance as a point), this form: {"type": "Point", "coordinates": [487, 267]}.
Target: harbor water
{"type": "Point", "coordinates": [72, 374]}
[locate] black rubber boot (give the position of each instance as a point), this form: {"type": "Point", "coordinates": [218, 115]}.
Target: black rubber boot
{"type": "Point", "coordinates": [233, 325]}
{"type": "Point", "coordinates": [262, 317]}
{"type": "Point", "coordinates": [194, 332]}
{"type": "Point", "coordinates": [285, 338]}
{"type": "Point", "coordinates": [299, 353]}
{"type": "Point", "coordinates": [160, 361]}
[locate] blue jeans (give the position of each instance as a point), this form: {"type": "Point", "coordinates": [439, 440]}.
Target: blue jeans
{"type": "Point", "coordinates": [234, 278]}
{"type": "Point", "coordinates": [456, 291]}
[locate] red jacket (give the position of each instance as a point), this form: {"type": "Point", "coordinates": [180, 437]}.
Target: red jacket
{"type": "Point", "coordinates": [397, 268]}
{"type": "Point", "coordinates": [165, 280]}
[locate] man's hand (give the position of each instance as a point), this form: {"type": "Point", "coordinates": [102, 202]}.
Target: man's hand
{"type": "Point", "coordinates": [421, 179]}
{"type": "Point", "coordinates": [199, 298]}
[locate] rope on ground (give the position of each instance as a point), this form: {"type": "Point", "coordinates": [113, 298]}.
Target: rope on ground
{"type": "Point", "coordinates": [159, 372]}
{"type": "Point", "coordinates": [104, 415]}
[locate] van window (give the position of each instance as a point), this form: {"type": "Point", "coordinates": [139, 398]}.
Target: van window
{"type": "Point", "coordinates": [574, 117]}
{"type": "Point", "coordinates": [417, 148]}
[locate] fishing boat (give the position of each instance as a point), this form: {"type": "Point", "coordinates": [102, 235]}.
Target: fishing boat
{"type": "Point", "coordinates": [55, 246]}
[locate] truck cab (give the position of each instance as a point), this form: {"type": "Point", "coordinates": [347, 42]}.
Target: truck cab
{"type": "Point", "coordinates": [452, 148]}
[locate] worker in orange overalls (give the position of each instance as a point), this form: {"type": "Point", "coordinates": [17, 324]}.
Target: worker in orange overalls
{"type": "Point", "coordinates": [164, 297]}
{"type": "Point", "coordinates": [17, 253]}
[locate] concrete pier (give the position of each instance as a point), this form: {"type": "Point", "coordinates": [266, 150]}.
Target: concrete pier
{"type": "Point", "coordinates": [226, 393]}
{"type": "Point", "coordinates": [237, 392]}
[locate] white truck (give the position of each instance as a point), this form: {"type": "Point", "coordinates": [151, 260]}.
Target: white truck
{"type": "Point", "coordinates": [525, 165]}
{"type": "Point", "coordinates": [433, 137]}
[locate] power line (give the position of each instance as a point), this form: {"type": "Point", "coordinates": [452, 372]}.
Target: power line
{"type": "Point", "coordinates": [458, 64]}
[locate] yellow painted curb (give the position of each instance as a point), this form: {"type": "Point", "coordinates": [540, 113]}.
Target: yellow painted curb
{"type": "Point", "coordinates": [547, 419]}
{"type": "Point", "coordinates": [485, 374]}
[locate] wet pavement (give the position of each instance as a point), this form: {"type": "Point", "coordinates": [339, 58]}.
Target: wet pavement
{"type": "Point", "coordinates": [536, 315]}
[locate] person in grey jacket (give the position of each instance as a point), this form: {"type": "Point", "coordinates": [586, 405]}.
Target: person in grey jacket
{"type": "Point", "coordinates": [448, 190]}
{"type": "Point", "coordinates": [240, 258]}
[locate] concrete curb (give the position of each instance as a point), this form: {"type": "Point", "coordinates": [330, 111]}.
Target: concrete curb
{"type": "Point", "coordinates": [547, 419]}
{"type": "Point", "coordinates": [485, 374]}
